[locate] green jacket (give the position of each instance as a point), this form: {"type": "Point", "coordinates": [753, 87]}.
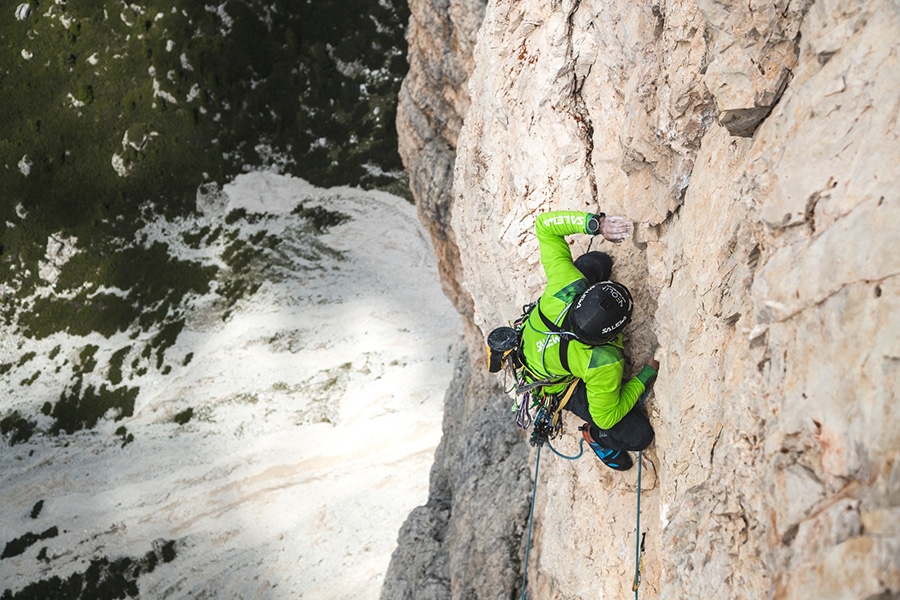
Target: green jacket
{"type": "Point", "coordinates": [600, 367]}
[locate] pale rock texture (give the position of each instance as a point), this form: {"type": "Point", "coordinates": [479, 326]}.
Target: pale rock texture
{"type": "Point", "coordinates": [754, 51]}
{"type": "Point", "coordinates": [433, 101]}
{"type": "Point", "coordinates": [455, 546]}
{"type": "Point", "coordinates": [755, 146]}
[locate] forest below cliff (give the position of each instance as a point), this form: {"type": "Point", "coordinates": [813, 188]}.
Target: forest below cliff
{"type": "Point", "coordinates": [205, 235]}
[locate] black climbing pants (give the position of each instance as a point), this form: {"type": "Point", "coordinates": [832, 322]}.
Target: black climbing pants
{"type": "Point", "coordinates": [634, 432]}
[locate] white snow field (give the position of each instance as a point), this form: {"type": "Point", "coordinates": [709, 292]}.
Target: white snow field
{"type": "Point", "coordinates": [317, 406]}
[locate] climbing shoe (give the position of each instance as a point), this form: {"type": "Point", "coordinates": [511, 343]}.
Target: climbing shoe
{"type": "Point", "coordinates": [614, 459]}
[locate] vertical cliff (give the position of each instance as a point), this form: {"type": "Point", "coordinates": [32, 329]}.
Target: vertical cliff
{"type": "Point", "coordinates": [456, 546]}
{"type": "Point", "coordinates": [755, 146]}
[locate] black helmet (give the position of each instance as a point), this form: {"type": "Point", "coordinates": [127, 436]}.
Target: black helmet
{"type": "Point", "coordinates": [602, 311]}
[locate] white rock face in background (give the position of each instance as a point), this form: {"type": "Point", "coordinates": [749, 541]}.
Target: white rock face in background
{"type": "Point", "coordinates": [60, 249]}
{"type": "Point", "coordinates": [25, 165]}
{"type": "Point", "coordinates": [756, 146]}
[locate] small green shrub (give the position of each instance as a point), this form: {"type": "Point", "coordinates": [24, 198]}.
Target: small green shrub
{"type": "Point", "coordinates": [18, 428]}
{"type": "Point", "coordinates": [184, 416]}
{"type": "Point", "coordinates": [84, 93]}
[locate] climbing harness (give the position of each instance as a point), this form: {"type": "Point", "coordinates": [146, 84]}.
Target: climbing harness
{"type": "Point", "coordinates": [547, 417]}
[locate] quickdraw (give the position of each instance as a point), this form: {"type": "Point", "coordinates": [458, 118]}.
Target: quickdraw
{"type": "Point", "coordinates": [547, 418]}
{"type": "Point", "coordinates": [639, 566]}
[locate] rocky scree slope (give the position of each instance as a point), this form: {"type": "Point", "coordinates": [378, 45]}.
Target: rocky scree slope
{"type": "Point", "coordinates": [756, 148]}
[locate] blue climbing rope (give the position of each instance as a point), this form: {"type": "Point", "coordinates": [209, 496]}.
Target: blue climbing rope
{"type": "Point", "coordinates": [537, 464]}
{"type": "Point", "coordinates": [638, 538]}
{"type": "Point", "coordinates": [577, 456]}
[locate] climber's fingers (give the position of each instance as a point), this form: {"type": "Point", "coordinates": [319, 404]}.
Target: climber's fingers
{"type": "Point", "coordinates": [615, 229]}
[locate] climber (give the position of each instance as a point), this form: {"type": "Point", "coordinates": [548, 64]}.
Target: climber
{"type": "Point", "coordinates": [573, 337]}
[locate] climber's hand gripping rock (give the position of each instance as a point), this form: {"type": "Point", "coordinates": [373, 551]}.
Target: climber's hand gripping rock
{"type": "Point", "coordinates": [615, 229]}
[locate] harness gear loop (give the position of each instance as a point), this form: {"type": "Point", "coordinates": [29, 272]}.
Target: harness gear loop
{"type": "Point", "coordinates": [562, 402]}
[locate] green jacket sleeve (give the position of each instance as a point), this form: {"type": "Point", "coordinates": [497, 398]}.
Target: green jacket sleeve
{"type": "Point", "coordinates": [556, 258]}
{"type": "Point", "coordinates": [564, 283]}
{"type": "Point", "coordinates": [608, 399]}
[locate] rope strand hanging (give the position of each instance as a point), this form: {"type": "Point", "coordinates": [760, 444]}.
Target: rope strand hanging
{"type": "Point", "coordinates": [537, 464]}
{"type": "Point", "coordinates": [638, 538]}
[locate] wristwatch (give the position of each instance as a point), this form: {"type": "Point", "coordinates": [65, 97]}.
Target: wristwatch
{"type": "Point", "coordinates": [593, 224]}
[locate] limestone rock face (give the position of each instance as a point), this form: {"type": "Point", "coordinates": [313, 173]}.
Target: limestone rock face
{"type": "Point", "coordinates": [433, 101]}
{"type": "Point", "coordinates": [456, 546]}
{"type": "Point", "coordinates": [754, 51]}
{"type": "Point", "coordinates": [466, 542]}
{"type": "Point", "coordinates": [755, 146]}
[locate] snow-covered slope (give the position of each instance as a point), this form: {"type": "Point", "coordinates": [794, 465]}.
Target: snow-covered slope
{"type": "Point", "coordinates": [277, 452]}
